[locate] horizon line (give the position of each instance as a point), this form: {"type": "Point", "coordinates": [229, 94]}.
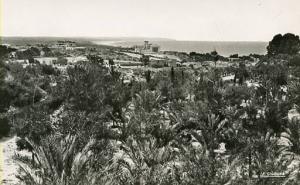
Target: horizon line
{"type": "Point", "coordinates": [124, 37]}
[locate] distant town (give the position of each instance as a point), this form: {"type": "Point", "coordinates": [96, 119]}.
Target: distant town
{"type": "Point", "coordinates": [64, 53]}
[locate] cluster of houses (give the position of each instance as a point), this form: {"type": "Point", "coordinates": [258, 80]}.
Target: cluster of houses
{"type": "Point", "coordinates": [64, 45]}
{"type": "Point", "coordinates": [67, 45]}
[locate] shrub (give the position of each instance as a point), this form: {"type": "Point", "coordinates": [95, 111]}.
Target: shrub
{"type": "Point", "coordinates": [4, 127]}
{"type": "Point", "coordinates": [22, 144]}
{"type": "Point", "coordinates": [48, 70]}
{"type": "Point", "coordinates": [156, 65]}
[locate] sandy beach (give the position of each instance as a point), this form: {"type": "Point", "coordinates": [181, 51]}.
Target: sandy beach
{"type": "Point", "coordinates": [108, 43]}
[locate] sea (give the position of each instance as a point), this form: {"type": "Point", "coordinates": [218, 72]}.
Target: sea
{"type": "Point", "coordinates": [225, 48]}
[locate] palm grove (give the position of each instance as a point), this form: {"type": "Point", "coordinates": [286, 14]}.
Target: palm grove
{"type": "Point", "coordinates": [86, 126]}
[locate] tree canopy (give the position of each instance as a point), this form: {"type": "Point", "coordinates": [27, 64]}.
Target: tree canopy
{"type": "Point", "coordinates": [284, 44]}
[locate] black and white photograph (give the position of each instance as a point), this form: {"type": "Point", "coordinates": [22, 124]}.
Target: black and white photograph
{"type": "Point", "coordinates": [149, 92]}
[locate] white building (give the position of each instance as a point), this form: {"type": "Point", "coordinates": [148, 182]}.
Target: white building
{"type": "Point", "coordinates": [147, 48]}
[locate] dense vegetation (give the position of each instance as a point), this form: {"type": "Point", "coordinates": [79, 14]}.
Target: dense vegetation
{"type": "Point", "coordinates": [86, 126]}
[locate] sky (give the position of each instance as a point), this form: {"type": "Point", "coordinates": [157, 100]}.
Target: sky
{"type": "Point", "coordinates": [202, 20]}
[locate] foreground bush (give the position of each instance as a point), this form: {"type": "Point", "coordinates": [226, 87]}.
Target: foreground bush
{"type": "Point", "coordinates": [58, 161]}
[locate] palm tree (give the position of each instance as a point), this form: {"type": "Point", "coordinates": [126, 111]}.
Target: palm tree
{"type": "Point", "coordinates": [59, 161]}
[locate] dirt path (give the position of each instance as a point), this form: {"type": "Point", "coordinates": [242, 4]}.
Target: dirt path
{"type": "Point", "coordinates": [8, 167]}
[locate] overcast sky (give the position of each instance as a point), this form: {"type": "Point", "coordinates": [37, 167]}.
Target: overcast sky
{"type": "Point", "coordinates": [220, 20]}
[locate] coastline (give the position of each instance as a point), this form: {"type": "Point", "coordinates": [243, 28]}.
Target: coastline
{"type": "Point", "coordinates": [223, 48]}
